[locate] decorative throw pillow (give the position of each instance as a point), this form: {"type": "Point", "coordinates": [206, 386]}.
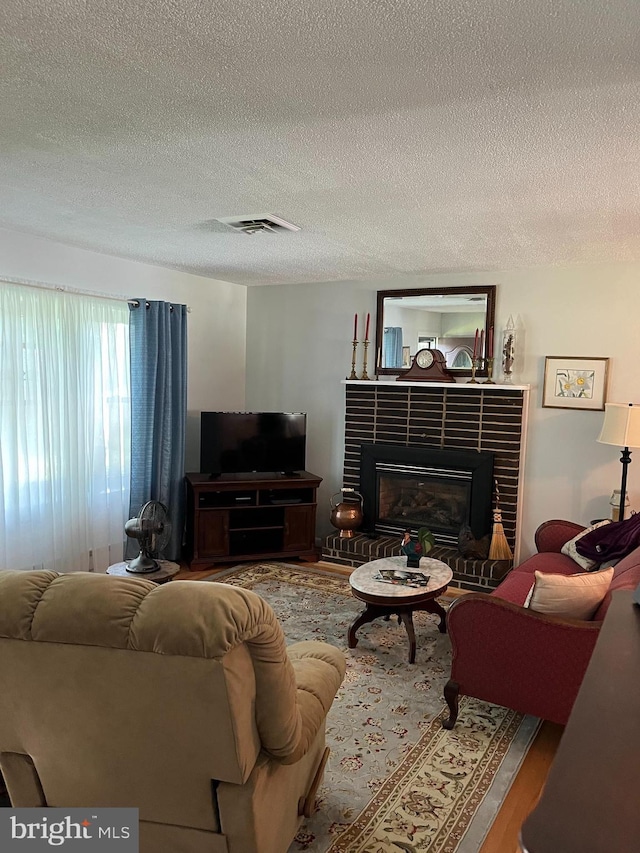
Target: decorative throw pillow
{"type": "Point", "coordinates": [569, 548]}
{"type": "Point", "coordinates": [569, 596]}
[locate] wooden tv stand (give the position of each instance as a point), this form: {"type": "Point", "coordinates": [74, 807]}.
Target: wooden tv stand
{"type": "Point", "coordinates": [250, 516]}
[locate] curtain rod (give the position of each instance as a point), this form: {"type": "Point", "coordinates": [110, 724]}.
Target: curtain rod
{"type": "Point", "coordinates": [43, 285]}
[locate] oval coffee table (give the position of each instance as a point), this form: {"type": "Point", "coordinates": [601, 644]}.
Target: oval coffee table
{"type": "Point", "coordinates": [388, 599]}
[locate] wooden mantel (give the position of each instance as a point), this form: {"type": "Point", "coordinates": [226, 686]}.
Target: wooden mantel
{"type": "Point", "coordinates": [480, 385]}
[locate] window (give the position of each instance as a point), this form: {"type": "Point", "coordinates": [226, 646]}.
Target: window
{"type": "Point", "coordinates": [64, 429]}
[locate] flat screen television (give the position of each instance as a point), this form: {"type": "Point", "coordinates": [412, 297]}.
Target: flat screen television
{"type": "Point", "coordinates": [241, 442]}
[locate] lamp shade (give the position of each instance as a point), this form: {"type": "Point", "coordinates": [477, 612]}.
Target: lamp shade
{"type": "Point", "coordinates": [621, 425]}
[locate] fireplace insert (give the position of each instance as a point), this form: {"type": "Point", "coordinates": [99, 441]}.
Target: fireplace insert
{"type": "Point", "coordinates": [412, 487]}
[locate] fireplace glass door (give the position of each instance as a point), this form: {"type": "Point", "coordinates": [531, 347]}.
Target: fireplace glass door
{"type": "Point", "coordinates": [431, 499]}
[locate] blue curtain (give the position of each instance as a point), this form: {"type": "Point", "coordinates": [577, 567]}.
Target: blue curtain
{"type": "Point", "coordinates": [392, 346]}
{"type": "Point", "coordinates": [158, 340]}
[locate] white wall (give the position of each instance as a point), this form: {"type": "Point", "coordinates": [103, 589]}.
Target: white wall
{"type": "Point", "coordinates": [299, 350]}
{"type": "Point", "coordinates": [461, 325]}
{"type": "Point", "coordinates": [216, 325]}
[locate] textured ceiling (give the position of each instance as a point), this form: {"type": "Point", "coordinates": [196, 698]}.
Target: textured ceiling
{"type": "Point", "coordinates": [401, 135]}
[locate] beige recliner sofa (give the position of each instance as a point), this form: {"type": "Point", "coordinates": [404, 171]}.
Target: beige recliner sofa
{"type": "Point", "coordinates": [181, 700]}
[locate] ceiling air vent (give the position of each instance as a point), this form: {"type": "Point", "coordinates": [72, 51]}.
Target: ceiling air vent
{"type": "Point", "coordinates": [257, 224]}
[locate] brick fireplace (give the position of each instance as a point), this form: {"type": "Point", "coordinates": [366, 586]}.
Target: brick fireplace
{"type": "Point", "coordinates": [451, 431]}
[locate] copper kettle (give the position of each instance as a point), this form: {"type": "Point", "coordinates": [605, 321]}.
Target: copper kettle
{"type": "Point", "coordinates": [347, 515]}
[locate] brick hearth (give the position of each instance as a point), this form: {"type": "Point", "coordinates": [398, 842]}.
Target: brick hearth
{"type": "Point", "coordinates": [453, 417]}
{"type": "Point", "coordinates": [478, 575]}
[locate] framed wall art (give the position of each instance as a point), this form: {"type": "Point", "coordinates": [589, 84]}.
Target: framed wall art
{"type": "Point", "coordinates": [572, 382]}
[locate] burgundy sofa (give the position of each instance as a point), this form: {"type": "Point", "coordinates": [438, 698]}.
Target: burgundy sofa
{"type": "Point", "coordinates": [509, 655]}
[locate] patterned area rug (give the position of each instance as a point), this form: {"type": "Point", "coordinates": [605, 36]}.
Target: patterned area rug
{"type": "Point", "coordinates": [396, 780]}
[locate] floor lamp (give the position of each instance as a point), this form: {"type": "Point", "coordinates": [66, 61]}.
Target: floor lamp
{"type": "Point", "coordinates": [621, 427]}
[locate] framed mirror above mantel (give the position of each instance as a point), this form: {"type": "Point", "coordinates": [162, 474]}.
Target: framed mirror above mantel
{"type": "Point", "coordinates": [444, 318]}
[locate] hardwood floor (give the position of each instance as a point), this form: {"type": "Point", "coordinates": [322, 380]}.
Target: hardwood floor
{"type": "Point", "coordinates": [526, 787]}
{"type": "Point", "coordinates": [185, 574]}
{"type": "Point", "coordinates": [524, 792]}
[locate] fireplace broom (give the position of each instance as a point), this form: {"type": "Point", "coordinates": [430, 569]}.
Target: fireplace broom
{"type": "Point", "coordinates": [499, 548]}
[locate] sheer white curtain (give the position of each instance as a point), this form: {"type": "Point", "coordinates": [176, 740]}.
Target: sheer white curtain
{"type": "Point", "coordinates": [64, 429]}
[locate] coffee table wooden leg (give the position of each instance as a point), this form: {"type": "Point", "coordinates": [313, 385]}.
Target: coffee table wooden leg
{"type": "Point", "coordinates": [435, 607]}
{"type": "Point", "coordinates": [368, 615]}
{"type": "Point", "coordinates": [407, 621]}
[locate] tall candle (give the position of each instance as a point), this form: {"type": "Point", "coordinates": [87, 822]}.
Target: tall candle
{"type": "Point", "coordinates": [366, 331]}
{"type": "Point", "coordinates": [481, 347]}
{"type": "Point", "coordinates": [490, 345]}
{"type": "Point", "coordinates": [475, 345]}
{"type": "Point", "coordinates": [355, 327]}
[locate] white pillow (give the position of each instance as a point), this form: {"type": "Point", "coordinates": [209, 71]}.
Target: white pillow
{"type": "Point", "coordinates": [569, 548]}
{"type": "Point", "coordinates": [569, 596]}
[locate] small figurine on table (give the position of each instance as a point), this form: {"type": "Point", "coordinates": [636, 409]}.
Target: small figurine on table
{"type": "Point", "coordinates": [412, 550]}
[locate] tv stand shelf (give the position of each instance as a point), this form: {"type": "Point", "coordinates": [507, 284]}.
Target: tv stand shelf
{"type": "Point", "coordinates": [249, 517]}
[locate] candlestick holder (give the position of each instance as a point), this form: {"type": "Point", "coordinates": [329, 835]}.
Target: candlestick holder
{"type": "Point", "coordinates": [353, 374]}
{"type": "Point", "coordinates": [475, 364]}
{"type": "Point", "coordinates": [489, 379]}
{"type": "Point", "coordinates": [365, 375]}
